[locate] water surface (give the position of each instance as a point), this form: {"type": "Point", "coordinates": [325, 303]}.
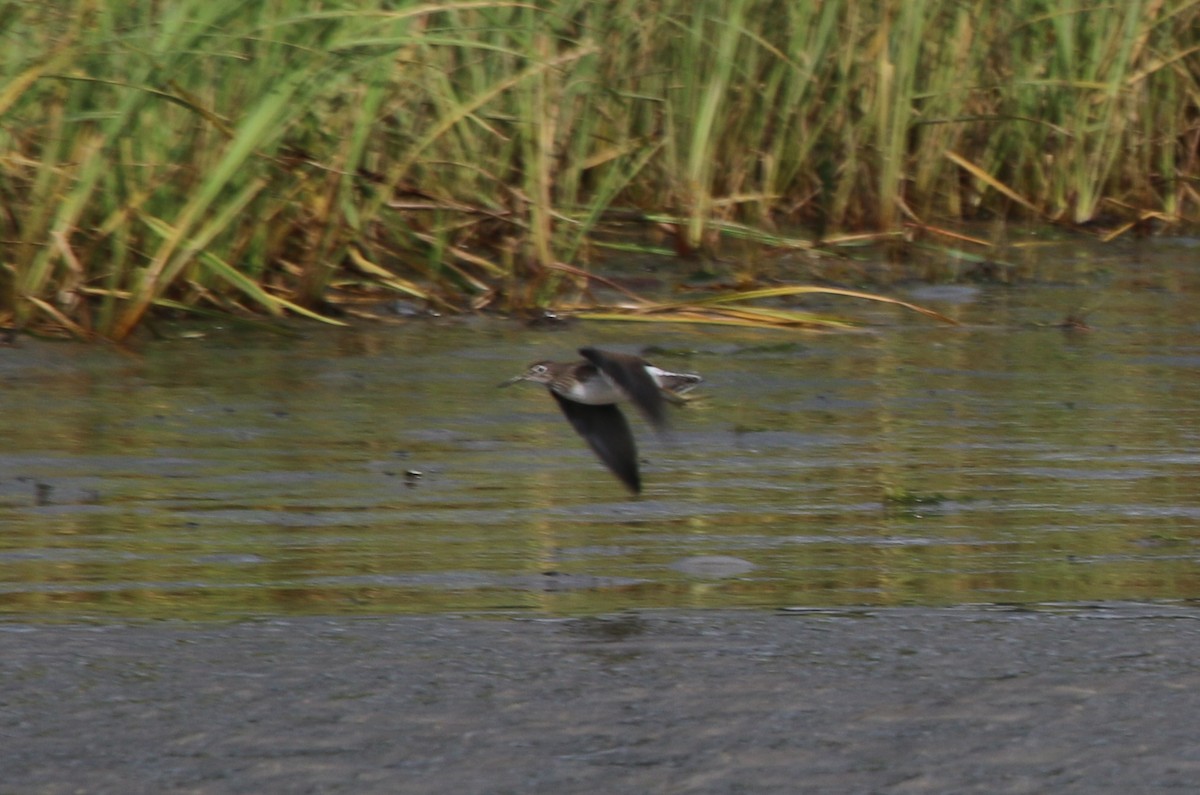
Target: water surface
{"type": "Point", "coordinates": [378, 469]}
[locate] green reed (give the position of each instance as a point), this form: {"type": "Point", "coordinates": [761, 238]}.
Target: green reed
{"type": "Point", "coordinates": [274, 156]}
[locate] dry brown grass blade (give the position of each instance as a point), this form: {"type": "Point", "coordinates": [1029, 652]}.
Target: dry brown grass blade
{"type": "Point", "coordinates": [795, 290]}
{"type": "Point", "coordinates": [708, 319]}
{"type": "Point", "coordinates": [591, 277]}
{"type": "Point", "coordinates": [987, 178]}
{"type": "Point", "coordinates": [959, 236]}
{"type": "Point", "coordinates": [58, 317]}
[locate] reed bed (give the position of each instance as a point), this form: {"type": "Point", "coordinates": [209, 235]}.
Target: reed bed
{"type": "Point", "coordinates": [219, 155]}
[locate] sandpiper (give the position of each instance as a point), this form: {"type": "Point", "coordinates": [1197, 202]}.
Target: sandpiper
{"type": "Point", "coordinates": [587, 391]}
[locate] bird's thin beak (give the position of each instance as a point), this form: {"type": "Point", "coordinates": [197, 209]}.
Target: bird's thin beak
{"type": "Point", "coordinates": [510, 381]}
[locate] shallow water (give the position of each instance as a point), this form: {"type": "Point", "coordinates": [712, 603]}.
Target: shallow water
{"type": "Point", "coordinates": [258, 474]}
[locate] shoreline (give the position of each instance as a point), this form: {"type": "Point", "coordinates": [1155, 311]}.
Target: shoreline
{"type": "Point", "coordinates": [965, 699]}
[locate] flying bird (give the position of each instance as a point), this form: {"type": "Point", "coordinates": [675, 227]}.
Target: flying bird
{"type": "Point", "coordinates": [589, 390]}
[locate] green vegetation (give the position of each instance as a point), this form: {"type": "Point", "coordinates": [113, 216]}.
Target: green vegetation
{"type": "Point", "coordinates": [229, 155]}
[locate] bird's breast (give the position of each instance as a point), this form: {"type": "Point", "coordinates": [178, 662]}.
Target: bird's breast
{"type": "Point", "coordinates": [595, 392]}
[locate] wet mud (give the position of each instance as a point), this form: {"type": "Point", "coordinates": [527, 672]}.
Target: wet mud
{"type": "Point", "coordinates": [923, 700]}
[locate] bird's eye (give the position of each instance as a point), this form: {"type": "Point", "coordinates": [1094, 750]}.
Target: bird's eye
{"type": "Point", "coordinates": [539, 369]}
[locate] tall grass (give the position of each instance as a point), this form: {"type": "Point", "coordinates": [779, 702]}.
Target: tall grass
{"type": "Point", "coordinates": [220, 154]}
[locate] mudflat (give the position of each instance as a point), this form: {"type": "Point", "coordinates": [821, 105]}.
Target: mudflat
{"type": "Point", "coordinates": [1097, 698]}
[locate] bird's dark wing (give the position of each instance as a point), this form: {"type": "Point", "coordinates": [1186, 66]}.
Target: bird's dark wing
{"type": "Point", "coordinates": [606, 431]}
{"type": "Point", "coordinates": [629, 373]}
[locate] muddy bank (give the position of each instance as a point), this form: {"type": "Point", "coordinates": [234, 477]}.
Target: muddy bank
{"type": "Point", "coordinates": [1091, 700]}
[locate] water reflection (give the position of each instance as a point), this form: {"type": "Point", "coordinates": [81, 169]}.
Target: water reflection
{"type": "Point", "coordinates": [1006, 460]}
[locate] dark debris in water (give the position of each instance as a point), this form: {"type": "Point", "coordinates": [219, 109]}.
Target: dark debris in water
{"type": "Point", "coordinates": [900, 496]}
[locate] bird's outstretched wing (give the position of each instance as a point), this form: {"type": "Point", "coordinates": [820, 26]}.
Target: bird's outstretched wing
{"type": "Point", "coordinates": [629, 373]}
{"type": "Point", "coordinates": [606, 431]}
